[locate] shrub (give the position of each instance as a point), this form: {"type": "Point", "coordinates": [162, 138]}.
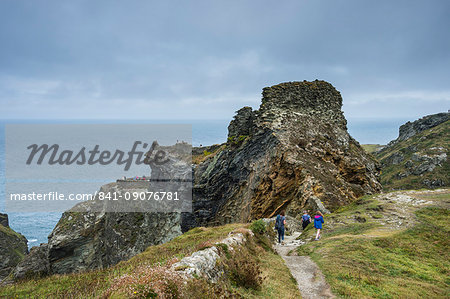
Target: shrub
{"type": "Point", "coordinates": [202, 289]}
{"type": "Point", "coordinates": [258, 227]}
{"type": "Point", "coordinates": [148, 282]}
{"type": "Point", "coordinates": [204, 245]}
{"type": "Point", "coordinates": [243, 270]}
{"type": "Point", "coordinates": [224, 248]}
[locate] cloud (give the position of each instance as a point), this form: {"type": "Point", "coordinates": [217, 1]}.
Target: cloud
{"type": "Point", "coordinates": [206, 59]}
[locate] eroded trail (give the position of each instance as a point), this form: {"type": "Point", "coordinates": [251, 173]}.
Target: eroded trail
{"type": "Point", "coordinates": [310, 279]}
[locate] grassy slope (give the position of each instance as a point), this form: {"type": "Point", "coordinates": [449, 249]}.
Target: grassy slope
{"type": "Point", "coordinates": [369, 260]}
{"type": "Point", "coordinates": [94, 284]}
{"type": "Point", "coordinates": [371, 148]}
{"type": "Point", "coordinates": [438, 136]}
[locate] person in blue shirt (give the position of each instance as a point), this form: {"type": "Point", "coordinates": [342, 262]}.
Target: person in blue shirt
{"type": "Point", "coordinates": [318, 220]}
{"type": "Point", "coordinates": [306, 219]}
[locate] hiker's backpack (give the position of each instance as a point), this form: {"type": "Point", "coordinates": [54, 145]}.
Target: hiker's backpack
{"type": "Point", "coordinates": [306, 218]}
{"type": "Point", "coordinates": [278, 222]}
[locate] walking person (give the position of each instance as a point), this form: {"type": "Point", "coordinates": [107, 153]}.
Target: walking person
{"type": "Point", "coordinates": [318, 220]}
{"type": "Point", "coordinates": [306, 219]}
{"type": "Point", "coordinates": [280, 222]}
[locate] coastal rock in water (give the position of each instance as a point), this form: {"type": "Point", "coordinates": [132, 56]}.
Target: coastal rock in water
{"type": "Point", "coordinates": [13, 247]}
{"type": "Point", "coordinates": [294, 152]}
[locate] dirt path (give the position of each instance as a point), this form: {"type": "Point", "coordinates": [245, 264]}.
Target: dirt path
{"type": "Point", "coordinates": [310, 279]}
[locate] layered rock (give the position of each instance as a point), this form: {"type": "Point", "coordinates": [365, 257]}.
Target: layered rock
{"type": "Point", "coordinates": [418, 158]}
{"type": "Point", "coordinates": [82, 241]}
{"type": "Point", "coordinates": [90, 236]}
{"type": "Point", "coordinates": [13, 247]}
{"type": "Point", "coordinates": [35, 265]}
{"type": "Point", "coordinates": [293, 152]}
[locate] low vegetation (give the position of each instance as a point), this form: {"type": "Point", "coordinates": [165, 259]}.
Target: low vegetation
{"type": "Point", "coordinates": [366, 259]}
{"type": "Point", "coordinates": [252, 271]}
{"type": "Point", "coordinates": [371, 148]}
{"type": "Point", "coordinates": [206, 154]}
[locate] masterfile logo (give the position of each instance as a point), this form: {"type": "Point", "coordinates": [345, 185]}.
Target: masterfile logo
{"type": "Point", "coordinates": [122, 168]}
{"type": "Point", "coordinates": [52, 155]}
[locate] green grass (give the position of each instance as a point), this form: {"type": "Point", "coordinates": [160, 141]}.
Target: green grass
{"type": "Point", "coordinates": [8, 231]}
{"type": "Point", "coordinates": [371, 148]}
{"type": "Point", "coordinates": [360, 262]}
{"type": "Point", "coordinates": [94, 284]}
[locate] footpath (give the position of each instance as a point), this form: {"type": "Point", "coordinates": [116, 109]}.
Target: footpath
{"type": "Point", "coordinates": [310, 280]}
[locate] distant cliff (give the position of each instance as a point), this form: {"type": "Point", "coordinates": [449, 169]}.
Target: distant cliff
{"type": "Point", "coordinates": [410, 129]}
{"type": "Point", "coordinates": [418, 158]}
{"type": "Point", "coordinates": [294, 152]}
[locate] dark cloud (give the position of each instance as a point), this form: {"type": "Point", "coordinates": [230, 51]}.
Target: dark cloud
{"type": "Point", "coordinates": [205, 59]}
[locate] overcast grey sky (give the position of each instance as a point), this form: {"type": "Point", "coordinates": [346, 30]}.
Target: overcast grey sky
{"type": "Point", "coordinates": [206, 59]}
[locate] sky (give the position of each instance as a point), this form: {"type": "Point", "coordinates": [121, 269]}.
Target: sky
{"type": "Point", "coordinates": [105, 59]}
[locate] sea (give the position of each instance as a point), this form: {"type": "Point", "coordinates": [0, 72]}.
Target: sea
{"type": "Point", "coordinates": [36, 226]}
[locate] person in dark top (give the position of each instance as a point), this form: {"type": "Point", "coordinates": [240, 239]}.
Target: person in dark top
{"type": "Point", "coordinates": [280, 222]}
{"type": "Point", "coordinates": [306, 219]}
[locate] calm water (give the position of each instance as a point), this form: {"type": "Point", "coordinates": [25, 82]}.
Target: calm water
{"type": "Point", "coordinates": [36, 226]}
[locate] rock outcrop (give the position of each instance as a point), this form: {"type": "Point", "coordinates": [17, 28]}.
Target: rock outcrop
{"type": "Point", "coordinates": [90, 236]}
{"type": "Point", "coordinates": [418, 158]}
{"type": "Point", "coordinates": [410, 129]}
{"type": "Point", "coordinates": [13, 247]}
{"type": "Point", "coordinates": [293, 152]}
{"type": "Point", "coordinates": [204, 263]}
{"type": "Point", "coordinates": [35, 265]}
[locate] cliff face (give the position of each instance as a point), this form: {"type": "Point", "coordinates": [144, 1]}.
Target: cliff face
{"type": "Point", "coordinates": [90, 236]}
{"type": "Point", "coordinates": [418, 158]}
{"type": "Point", "coordinates": [294, 152]}
{"type": "Point", "coordinates": [410, 129]}
{"type": "Point", "coordinates": [13, 247]}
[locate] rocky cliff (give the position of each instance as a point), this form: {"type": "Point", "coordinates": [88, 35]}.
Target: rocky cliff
{"type": "Point", "coordinates": [90, 236]}
{"type": "Point", "coordinates": [410, 129]}
{"type": "Point", "coordinates": [13, 247]}
{"type": "Point", "coordinates": [291, 153]}
{"type": "Point", "coordinates": [294, 152]}
{"type": "Point", "coordinates": [418, 158]}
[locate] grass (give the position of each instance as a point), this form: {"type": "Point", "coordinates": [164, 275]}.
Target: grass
{"type": "Point", "coordinates": [278, 281]}
{"type": "Point", "coordinates": [10, 232]}
{"type": "Point", "coordinates": [92, 284]}
{"type": "Point", "coordinates": [366, 260]}
{"type": "Point", "coordinates": [197, 159]}
{"type": "Point", "coordinates": [95, 284]}
{"type": "Point", "coordinates": [371, 148]}
{"type": "Point", "coordinates": [425, 142]}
